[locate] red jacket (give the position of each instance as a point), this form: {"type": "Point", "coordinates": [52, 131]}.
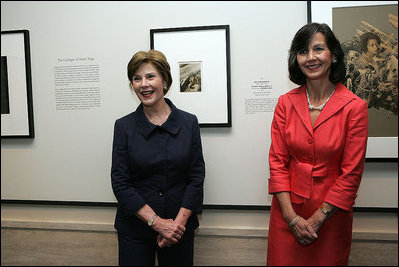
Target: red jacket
{"type": "Point", "coordinates": [330, 155]}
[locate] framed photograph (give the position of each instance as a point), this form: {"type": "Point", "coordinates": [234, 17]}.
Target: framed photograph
{"type": "Point", "coordinates": [190, 76]}
{"type": "Point", "coordinates": [368, 32]}
{"type": "Point", "coordinates": [16, 85]}
{"type": "Point", "coordinates": [199, 58]}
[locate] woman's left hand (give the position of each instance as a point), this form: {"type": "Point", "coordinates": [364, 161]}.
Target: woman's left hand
{"type": "Point", "coordinates": [317, 220]}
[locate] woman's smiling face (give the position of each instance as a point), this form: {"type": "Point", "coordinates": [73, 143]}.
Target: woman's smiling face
{"type": "Point", "coordinates": [315, 61]}
{"type": "Point", "coordinates": [148, 84]}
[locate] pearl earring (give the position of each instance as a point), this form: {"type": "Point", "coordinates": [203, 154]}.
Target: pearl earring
{"type": "Point", "coordinates": [334, 60]}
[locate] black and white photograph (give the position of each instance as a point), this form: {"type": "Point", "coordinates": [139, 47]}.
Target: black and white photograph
{"type": "Point", "coordinates": [190, 76]}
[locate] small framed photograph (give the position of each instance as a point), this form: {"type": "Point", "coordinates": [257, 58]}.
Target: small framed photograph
{"type": "Point", "coordinates": [16, 85]}
{"type": "Point", "coordinates": [199, 58]}
{"type": "Point", "coordinates": [368, 33]}
{"type": "Point", "coordinates": [190, 77]}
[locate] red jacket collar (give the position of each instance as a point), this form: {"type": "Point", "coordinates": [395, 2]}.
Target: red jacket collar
{"type": "Point", "coordinates": [341, 97]}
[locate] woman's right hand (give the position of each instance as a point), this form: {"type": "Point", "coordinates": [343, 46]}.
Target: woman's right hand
{"type": "Point", "coordinates": [303, 232]}
{"type": "Point", "coordinates": [169, 230]}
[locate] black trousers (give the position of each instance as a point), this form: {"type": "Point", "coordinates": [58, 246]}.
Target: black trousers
{"type": "Point", "coordinates": [141, 251]}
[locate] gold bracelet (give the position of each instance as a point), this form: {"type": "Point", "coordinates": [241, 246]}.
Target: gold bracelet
{"type": "Point", "coordinates": [294, 221]}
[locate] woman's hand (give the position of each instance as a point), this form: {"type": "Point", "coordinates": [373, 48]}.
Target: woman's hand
{"type": "Point", "coordinates": [319, 217]}
{"type": "Point", "coordinates": [169, 231]}
{"type": "Point", "coordinates": [303, 232]}
{"type": "Point", "coordinates": [317, 220]}
{"type": "Point", "coordinates": [180, 220]}
{"type": "Point", "coordinates": [162, 242]}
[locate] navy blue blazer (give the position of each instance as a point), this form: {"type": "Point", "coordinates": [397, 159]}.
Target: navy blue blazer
{"type": "Point", "coordinates": [162, 166]}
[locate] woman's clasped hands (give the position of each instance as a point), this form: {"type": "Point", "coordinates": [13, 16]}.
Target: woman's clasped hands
{"type": "Point", "coordinates": [170, 232]}
{"type": "Point", "coordinates": [304, 230]}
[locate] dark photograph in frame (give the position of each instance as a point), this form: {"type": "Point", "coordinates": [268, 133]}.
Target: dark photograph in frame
{"type": "Point", "coordinates": [5, 99]}
{"type": "Point", "coordinates": [369, 38]}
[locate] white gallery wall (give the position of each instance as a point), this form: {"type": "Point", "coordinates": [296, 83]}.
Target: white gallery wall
{"type": "Point", "coordinates": [70, 157]}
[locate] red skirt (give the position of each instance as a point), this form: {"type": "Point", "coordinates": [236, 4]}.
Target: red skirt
{"type": "Point", "coordinates": [331, 247]}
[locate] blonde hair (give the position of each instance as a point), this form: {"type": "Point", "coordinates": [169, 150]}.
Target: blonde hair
{"type": "Point", "coordinates": [157, 59]}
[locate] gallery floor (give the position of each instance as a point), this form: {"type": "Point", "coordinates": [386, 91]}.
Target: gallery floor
{"type": "Point", "coordinates": [45, 247]}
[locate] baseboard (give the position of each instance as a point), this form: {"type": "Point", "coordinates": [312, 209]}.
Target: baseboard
{"type": "Point", "coordinates": [201, 231]}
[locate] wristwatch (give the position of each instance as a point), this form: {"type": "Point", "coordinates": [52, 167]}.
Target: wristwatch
{"type": "Point", "coordinates": [151, 221]}
{"type": "Point", "coordinates": [325, 211]}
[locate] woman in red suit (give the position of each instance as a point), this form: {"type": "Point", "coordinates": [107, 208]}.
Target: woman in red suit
{"type": "Point", "coordinates": [319, 138]}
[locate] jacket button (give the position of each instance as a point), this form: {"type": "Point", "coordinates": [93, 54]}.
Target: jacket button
{"type": "Point", "coordinates": [310, 140]}
{"type": "Point", "coordinates": [160, 193]}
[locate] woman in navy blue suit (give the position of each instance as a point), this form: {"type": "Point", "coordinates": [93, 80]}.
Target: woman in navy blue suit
{"type": "Point", "coordinates": [157, 171]}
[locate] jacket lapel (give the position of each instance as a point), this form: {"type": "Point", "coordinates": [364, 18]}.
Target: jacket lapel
{"type": "Point", "coordinates": [298, 100]}
{"type": "Point", "coordinates": [339, 99]}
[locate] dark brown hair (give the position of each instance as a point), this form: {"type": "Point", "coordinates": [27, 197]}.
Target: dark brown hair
{"type": "Point", "coordinates": [301, 42]}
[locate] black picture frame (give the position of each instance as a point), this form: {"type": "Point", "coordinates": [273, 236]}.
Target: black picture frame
{"type": "Point", "coordinates": [209, 48]}
{"type": "Point", "coordinates": [17, 122]}
{"type": "Point", "coordinates": [379, 149]}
